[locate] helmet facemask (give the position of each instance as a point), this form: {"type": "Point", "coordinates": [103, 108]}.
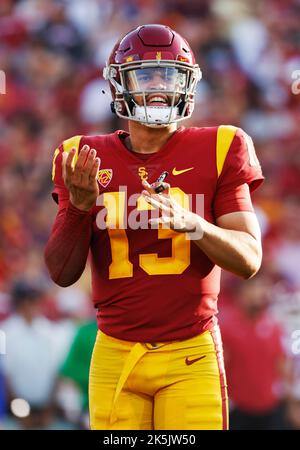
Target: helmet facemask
{"type": "Point", "coordinates": [154, 92]}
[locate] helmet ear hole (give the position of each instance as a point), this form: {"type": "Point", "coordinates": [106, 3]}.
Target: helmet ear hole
{"type": "Point", "coordinates": [112, 107]}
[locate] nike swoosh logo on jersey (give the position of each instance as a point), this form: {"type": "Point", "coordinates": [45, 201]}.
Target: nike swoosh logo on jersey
{"type": "Point", "coordinates": [192, 361]}
{"type": "Point", "coordinates": [179, 172]}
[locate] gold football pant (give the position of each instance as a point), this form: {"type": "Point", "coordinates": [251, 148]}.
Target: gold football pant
{"type": "Point", "coordinates": [178, 385]}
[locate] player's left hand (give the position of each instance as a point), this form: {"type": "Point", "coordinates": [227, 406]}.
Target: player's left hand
{"type": "Point", "coordinates": [173, 215]}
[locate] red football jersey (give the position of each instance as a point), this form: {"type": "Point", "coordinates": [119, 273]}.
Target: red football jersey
{"type": "Point", "coordinates": [153, 285]}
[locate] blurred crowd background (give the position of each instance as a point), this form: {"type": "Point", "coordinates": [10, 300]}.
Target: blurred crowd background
{"type": "Point", "coordinates": [52, 53]}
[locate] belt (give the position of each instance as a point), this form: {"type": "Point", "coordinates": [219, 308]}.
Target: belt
{"type": "Point", "coordinates": [135, 354]}
{"type": "Point", "coordinates": [154, 346]}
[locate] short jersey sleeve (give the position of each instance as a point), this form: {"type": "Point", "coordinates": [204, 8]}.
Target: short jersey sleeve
{"type": "Point", "coordinates": [60, 193]}
{"type": "Point", "coordinates": [239, 171]}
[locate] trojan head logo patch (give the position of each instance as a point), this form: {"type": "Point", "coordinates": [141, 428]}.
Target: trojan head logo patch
{"type": "Point", "coordinates": [104, 177]}
{"type": "Point", "coordinates": [158, 56]}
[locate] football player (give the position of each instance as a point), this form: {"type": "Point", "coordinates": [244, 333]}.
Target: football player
{"type": "Point", "coordinates": [156, 258]}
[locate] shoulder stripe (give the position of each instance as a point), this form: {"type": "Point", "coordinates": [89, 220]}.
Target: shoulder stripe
{"type": "Point", "coordinates": [66, 146]}
{"type": "Point", "coordinates": [225, 135]}
{"type": "Point", "coordinates": [56, 153]}
{"type": "Point", "coordinates": [73, 142]}
{"type": "Point", "coordinates": [70, 143]}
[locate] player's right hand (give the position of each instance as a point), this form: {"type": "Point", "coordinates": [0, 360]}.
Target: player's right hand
{"type": "Point", "coordinates": [81, 179]}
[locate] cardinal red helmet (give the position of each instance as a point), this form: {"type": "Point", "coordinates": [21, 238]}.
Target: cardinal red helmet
{"type": "Point", "coordinates": [153, 76]}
